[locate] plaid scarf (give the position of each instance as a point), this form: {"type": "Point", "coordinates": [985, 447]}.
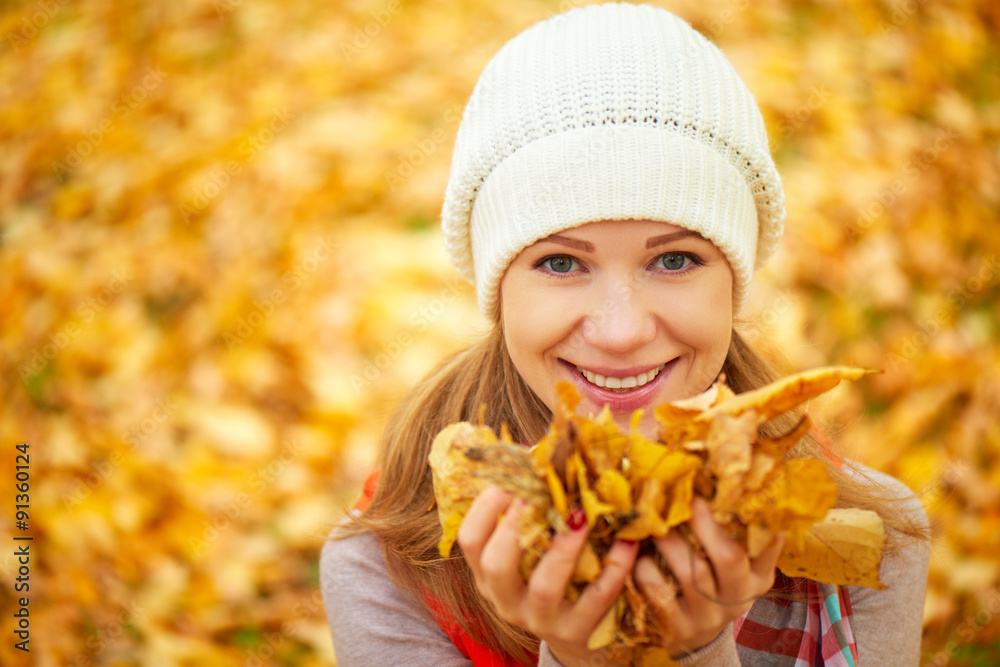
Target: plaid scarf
{"type": "Point", "coordinates": [801, 622]}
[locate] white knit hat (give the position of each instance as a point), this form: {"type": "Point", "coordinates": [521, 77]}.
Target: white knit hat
{"type": "Point", "coordinates": [609, 112]}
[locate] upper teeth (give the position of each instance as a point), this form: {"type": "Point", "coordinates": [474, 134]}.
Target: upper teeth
{"type": "Point", "coordinates": [630, 382]}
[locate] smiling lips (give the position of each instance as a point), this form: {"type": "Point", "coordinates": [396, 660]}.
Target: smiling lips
{"type": "Point", "coordinates": [620, 383]}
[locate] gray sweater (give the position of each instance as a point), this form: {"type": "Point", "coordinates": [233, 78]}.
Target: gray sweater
{"type": "Point", "coordinates": [374, 624]}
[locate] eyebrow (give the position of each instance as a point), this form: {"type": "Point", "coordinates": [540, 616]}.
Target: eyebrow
{"type": "Point", "coordinates": [654, 241]}
{"type": "Point", "coordinates": [586, 246]}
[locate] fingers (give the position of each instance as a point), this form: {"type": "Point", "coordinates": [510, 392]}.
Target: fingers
{"type": "Point", "coordinates": [480, 522]}
{"type": "Point", "coordinates": [567, 627]}
{"type": "Point", "coordinates": [729, 562]}
{"type": "Point", "coordinates": [737, 577]}
{"type": "Point", "coordinates": [660, 591]}
{"type": "Point", "coordinates": [693, 573]}
{"type": "Point", "coordinates": [492, 549]}
{"type": "Point", "coordinates": [601, 593]}
{"type": "Point", "coordinates": [711, 586]}
{"type": "Point", "coordinates": [686, 605]}
{"type": "Point", "coordinates": [764, 565]}
{"type": "Point", "coordinates": [617, 565]}
{"type": "Point", "coordinates": [548, 582]}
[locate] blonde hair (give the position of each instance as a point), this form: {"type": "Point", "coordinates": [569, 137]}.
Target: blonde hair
{"type": "Point", "coordinates": [400, 512]}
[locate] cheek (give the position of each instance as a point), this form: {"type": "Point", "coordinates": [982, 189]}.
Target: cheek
{"type": "Point", "coordinates": [522, 340]}
{"type": "Point", "coordinates": [708, 330]}
{"type": "Point", "coordinates": [535, 336]}
{"type": "Point", "coordinates": [531, 314]}
{"type": "Point", "coordinates": [528, 334]}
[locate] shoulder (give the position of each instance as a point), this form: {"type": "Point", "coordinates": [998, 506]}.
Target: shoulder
{"type": "Point", "coordinates": [353, 573]}
{"type": "Point", "coordinates": [891, 491]}
{"type": "Point", "coordinates": [370, 620]}
{"type": "Point", "coordinates": [362, 551]}
{"type": "Point", "coordinates": [887, 624]}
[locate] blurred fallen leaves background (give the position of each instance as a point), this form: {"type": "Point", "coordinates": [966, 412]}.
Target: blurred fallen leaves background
{"type": "Point", "coordinates": [220, 268]}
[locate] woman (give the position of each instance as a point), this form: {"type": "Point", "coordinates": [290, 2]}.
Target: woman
{"type": "Point", "coordinates": [611, 195]}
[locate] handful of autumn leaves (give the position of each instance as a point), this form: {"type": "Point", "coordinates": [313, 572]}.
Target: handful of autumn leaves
{"type": "Point", "coordinates": [633, 488]}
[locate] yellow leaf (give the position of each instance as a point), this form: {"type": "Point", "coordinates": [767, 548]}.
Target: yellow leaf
{"type": "Point", "coordinates": [799, 494]}
{"type": "Point", "coordinates": [588, 566]}
{"type": "Point", "coordinates": [614, 489]}
{"type": "Point", "coordinates": [709, 446]}
{"type": "Point", "coordinates": [592, 505]}
{"type": "Point", "coordinates": [604, 633]}
{"type": "Point", "coordinates": [649, 507]}
{"type": "Point", "coordinates": [681, 496]}
{"type": "Point", "coordinates": [454, 485]}
{"type": "Point", "coordinates": [650, 459]}
{"type": "Point", "coordinates": [602, 443]}
{"type": "Point", "coordinates": [729, 454]}
{"type": "Point", "coordinates": [785, 394]}
{"type": "Point", "coordinates": [845, 548]}
{"type": "Point", "coordinates": [655, 657]}
{"type": "Point", "coordinates": [557, 491]}
{"type": "Point", "coordinates": [780, 445]}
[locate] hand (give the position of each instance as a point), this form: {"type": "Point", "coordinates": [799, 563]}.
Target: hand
{"type": "Point", "coordinates": [714, 589]}
{"type": "Point", "coordinates": [539, 606]}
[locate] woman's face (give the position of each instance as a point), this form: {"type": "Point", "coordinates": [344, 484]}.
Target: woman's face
{"type": "Point", "coordinates": [634, 313]}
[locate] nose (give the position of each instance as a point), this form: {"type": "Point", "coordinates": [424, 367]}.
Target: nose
{"type": "Point", "coordinates": [618, 321]}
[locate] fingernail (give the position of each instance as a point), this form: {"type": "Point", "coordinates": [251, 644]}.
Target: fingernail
{"type": "Point", "coordinates": [577, 518]}
{"type": "Point", "coordinates": [628, 542]}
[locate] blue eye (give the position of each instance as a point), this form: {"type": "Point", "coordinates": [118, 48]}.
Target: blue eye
{"type": "Point", "coordinates": [559, 263]}
{"type": "Point", "coordinates": [675, 261]}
